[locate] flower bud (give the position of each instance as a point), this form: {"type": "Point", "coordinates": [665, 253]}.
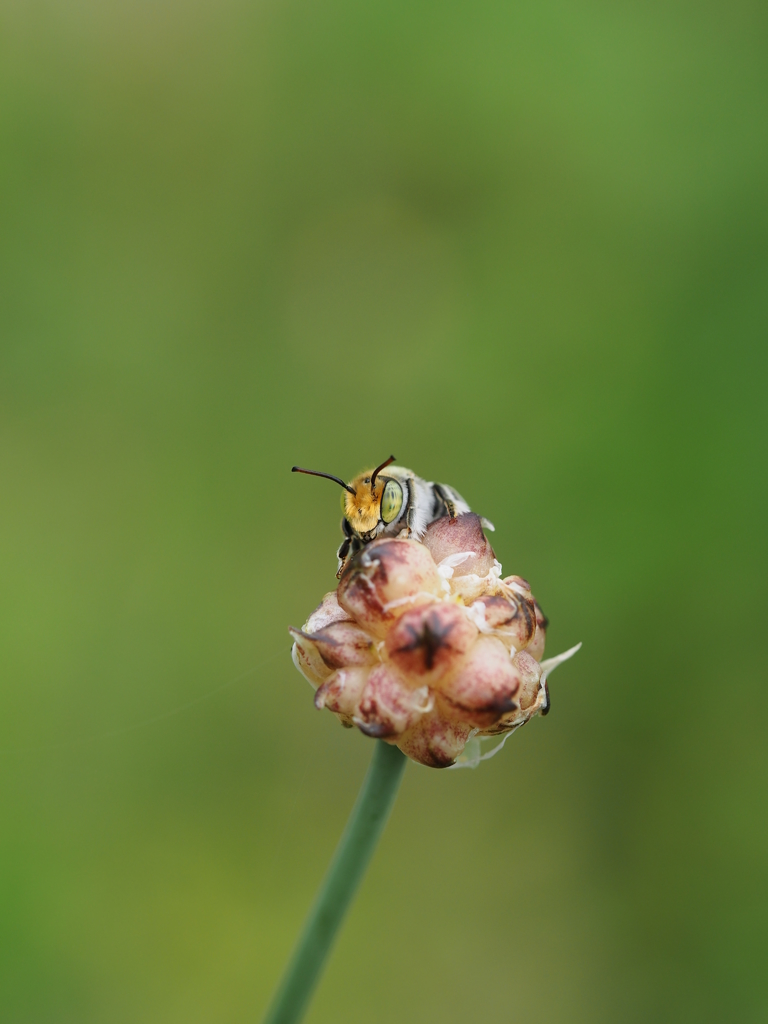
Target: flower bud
{"type": "Point", "coordinates": [387, 706]}
{"type": "Point", "coordinates": [484, 686]}
{"type": "Point", "coordinates": [449, 540]}
{"type": "Point", "coordinates": [338, 644]}
{"type": "Point", "coordinates": [463, 555]}
{"type": "Point", "coordinates": [342, 691]}
{"type": "Point", "coordinates": [307, 658]}
{"type": "Point", "coordinates": [307, 653]}
{"type": "Point", "coordinates": [427, 642]}
{"type": "Point", "coordinates": [435, 740]}
{"type": "Point", "coordinates": [386, 578]}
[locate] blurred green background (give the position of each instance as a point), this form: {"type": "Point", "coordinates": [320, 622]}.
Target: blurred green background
{"type": "Point", "coordinates": [523, 247]}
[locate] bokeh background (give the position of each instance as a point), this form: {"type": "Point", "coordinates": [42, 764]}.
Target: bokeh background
{"type": "Point", "coordinates": [523, 247]}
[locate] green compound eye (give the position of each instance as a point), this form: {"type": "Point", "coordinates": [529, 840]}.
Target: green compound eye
{"type": "Point", "coordinates": [391, 501]}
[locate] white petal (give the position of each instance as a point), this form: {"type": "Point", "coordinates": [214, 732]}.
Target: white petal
{"type": "Point", "coordinates": [472, 756]}
{"type": "Point", "coordinates": [551, 663]}
{"type": "Point", "coordinates": [446, 565]}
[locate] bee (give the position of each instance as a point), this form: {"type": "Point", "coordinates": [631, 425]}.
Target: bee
{"type": "Point", "coordinates": [395, 503]}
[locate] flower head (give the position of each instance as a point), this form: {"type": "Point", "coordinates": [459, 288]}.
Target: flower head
{"type": "Point", "coordinates": [426, 646]}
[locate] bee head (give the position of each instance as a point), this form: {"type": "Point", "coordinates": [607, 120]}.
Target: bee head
{"type": "Point", "coordinates": [369, 499]}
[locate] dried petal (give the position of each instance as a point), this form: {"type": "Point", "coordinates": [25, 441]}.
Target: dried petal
{"type": "Point", "coordinates": [470, 588]}
{"type": "Point", "coordinates": [509, 616]}
{"type": "Point", "coordinates": [518, 584]}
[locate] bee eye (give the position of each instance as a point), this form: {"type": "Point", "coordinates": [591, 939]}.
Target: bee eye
{"type": "Point", "coordinates": [391, 501]}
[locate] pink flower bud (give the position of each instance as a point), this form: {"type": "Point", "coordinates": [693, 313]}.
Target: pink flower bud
{"type": "Point", "coordinates": [384, 580]}
{"type": "Point", "coordinates": [484, 687]}
{"type": "Point", "coordinates": [338, 644]}
{"type": "Point", "coordinates": [307, 658]}
{"type": "Point", "coordinates": [449, 538]}
{"type": "Point", "coordinates": [427, 642]}
{"type": "Point", "coordinates": [387, 706]}
{"type": "Point", "coordinates": [342, 692]}
{"type": "Point", "coordinates": [435, 740]}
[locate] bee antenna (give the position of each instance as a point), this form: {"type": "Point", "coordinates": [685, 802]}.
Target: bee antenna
{"type": "Point", "coordinates": [378, 469]}
{"type": "Point", "coordinates": [328, 476]}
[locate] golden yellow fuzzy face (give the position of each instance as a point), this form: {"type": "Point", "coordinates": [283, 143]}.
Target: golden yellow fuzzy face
{"type": "Point", "coordinates": [362, 510]}
{"type": "Point", "coordinates": [371, 503]}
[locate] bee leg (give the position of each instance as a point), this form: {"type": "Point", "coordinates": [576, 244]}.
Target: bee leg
{"type": "Point", "coordinates": [343, 553]}
{"type": "Point", "coordinates": [449, 506]}
{"type": "Point", "coordinates": [349, 547]}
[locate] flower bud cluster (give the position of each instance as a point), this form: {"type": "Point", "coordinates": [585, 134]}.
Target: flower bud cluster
{"type": "Point", "coordinates": [424, 644]}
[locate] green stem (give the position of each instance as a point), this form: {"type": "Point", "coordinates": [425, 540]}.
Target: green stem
{"type": "Point", "coordinates": [365, 825]}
